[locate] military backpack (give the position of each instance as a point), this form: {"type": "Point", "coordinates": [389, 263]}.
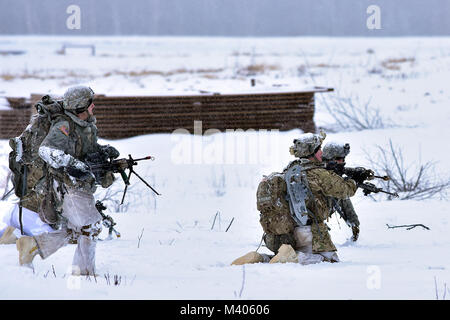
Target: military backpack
{"type": "Point", "coordinates": [28, 169]}
{"type": "Point", "coordinates": [271, 202]}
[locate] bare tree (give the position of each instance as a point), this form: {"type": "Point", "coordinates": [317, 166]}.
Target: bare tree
{"type": "Point", "coordinates": [352, 114]}
{"type": "Point", "coordinates": [414, 180]}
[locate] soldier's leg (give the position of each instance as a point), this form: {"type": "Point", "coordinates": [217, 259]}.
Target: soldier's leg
{"type": "Point", "coordinates": [32, 223]}
{"type": "Point", "coordinates": [322, 244]}
{"type": "Point", "coordinates": [350, 213]}
{"type": "Point", "coordinates": [285, 254]}
{"type": "Point", "coordinates": [49, 242]}
{"type": "Point", "coordinates": [9, 235]}
{"type": "Point", "coordinates": [274, 241]}
{"type": "Point", "coordinates": [84, 258]}
{"type": "Point", "coordinates": [79, 210]}
{"type": "Point", "coordinates": [303, 238]}
{"type": "Point", "coordinates": [84, 221]}
{"type": "Point", "coordinates": [351, 217]}
{"type": "Point", "coordinates": [44, 244]}
{"type": "Point", "coordinates": [283, 247]}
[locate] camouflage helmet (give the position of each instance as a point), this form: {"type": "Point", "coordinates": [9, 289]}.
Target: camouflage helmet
{"type": "Point", "coordinates": [307, 144]}
{"type": "Point", "coordinates": [78, 98]}
{"type": "Point", "coordinates": [334, 150]}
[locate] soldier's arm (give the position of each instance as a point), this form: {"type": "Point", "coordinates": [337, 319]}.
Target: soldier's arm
{"type": "Point", "coordinates": [54, 148]}
{"type": "Point", "coordinates": [331, 184]}
{"type": "Point", "coordinates": [351, 218]}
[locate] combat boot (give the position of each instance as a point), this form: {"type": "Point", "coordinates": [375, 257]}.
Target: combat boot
{"type": "Point", "coordinates": [251, 257]}
{"type": "Point", "coordinates": [28, 249]}
{"type": "Point", "coordinates": [8, 236]}
{"type": "Point", "coordinates": [285, 254]}
{"type": "Point", "coordinates": [330, 256]}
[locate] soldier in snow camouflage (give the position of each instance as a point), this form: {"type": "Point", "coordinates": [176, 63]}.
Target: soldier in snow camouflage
{"type": "Point", "coordinates": [308, 243]}
{"type": "Point", "coordinates": [334, 151]}
{"type": "Point", "coordinates": [72, 136]}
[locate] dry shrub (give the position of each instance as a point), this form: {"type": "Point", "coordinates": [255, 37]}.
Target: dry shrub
{"type": "Point", "coordinates": [413, 180]}
{"type": "Point", "coordinates": [325, 65]}
{"type": "Point", "coordinates": [257, 69]}
{"type": "Point", "coordinates": [352, 114]}
{"type": "Point", "coordinates": [210, 76]}
{"type": "Point", "coordinates": [144, 73]}
{"type": "Point", "coordinates": [7, 76]}
{"type": "Point", "coordinates": [394, 63]}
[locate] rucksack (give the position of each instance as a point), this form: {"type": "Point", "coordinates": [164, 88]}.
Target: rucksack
{"type": "Point", "coordinates": [25, 148]}
{"type": "Point", "coordinates": [271, 202]}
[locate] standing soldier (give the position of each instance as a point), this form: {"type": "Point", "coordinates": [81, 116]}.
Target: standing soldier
{"type": "Point", "coordinates": [71, 138]}
{"type": "Point", "coordinates": [308, 240]}
{"type": "Point", "coordinates": [335, 153]}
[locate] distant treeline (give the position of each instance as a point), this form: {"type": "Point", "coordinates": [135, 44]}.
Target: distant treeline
{"type": "Point", "coordinates": [225, 17]}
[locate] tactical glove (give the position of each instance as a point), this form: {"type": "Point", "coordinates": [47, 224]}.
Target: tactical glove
{"type": "Point", "coordinates": [338, 168]}
{"type": "Point", "coordinates": [111, 152]}
{"type": "Point", "coordinates": [82, 174]}
{"type": "Point", "coordinates": [355, 231]}
{"type": "Point", "coordinates": [361, 175]}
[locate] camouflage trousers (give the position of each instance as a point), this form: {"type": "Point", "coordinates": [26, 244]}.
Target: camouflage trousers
{"type": "Point", "coordinates": [307, 239]}
{"type": "Point", "coordinates": [83, 223]}
{"type": "Point", "coordinates": [321, 239]}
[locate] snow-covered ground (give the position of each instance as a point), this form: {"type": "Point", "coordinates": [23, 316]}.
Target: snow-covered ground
{"type": "Point", "coordinates": [177, 246]}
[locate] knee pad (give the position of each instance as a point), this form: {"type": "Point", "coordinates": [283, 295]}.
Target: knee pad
{"type": "Point", "coordinates": [92, 230]}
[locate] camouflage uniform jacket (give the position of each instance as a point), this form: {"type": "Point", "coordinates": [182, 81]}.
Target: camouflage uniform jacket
{"type": "Point", "coordinates": [323, 184]}
{"type": "Point", "coordinates": [68, 142]}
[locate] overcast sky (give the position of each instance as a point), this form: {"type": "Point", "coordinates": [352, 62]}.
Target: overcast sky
{"type": "Point", "coordinates": [227, 17]}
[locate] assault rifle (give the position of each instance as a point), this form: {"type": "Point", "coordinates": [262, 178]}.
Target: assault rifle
{"type": "Point", "coordinates": [368, 188]}
{"type": "Point", "coordinates": [107, 221]}
{"type": "Point", "coordinates": [360, 174]}
{"type": "Point", "coordinates": [100, 166]}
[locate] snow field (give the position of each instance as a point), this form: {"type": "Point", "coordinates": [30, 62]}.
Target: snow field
{"type": "Point", "coordinates": [169, 248]}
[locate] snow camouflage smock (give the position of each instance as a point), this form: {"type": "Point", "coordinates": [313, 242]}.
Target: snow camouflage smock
{"type": "Point", "coordinates": [323, 184]}
{"type": "Point", "coordinates": [69, 141]}
{"type": "Point", "coordinates": [76, 139]}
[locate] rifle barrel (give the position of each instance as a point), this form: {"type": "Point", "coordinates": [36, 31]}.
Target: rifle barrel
{"type": "Point", "coordinates": [385, 178]}
{"type": "Point", "coordinates": [395, 194]}
{"type": "Point", "coordinates": [145, 158]}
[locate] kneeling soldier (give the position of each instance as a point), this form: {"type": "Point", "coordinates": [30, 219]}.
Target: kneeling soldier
{"type": "Point", "coordinates": [307, 239]}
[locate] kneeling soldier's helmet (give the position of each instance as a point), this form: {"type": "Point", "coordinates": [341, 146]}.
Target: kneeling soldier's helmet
{"type": "Point", "coordinates": [77, 99]}
{"type": "Point", "coordinates": [307, 144]}
{"type": "Point", "coordinates": [335, 150]}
